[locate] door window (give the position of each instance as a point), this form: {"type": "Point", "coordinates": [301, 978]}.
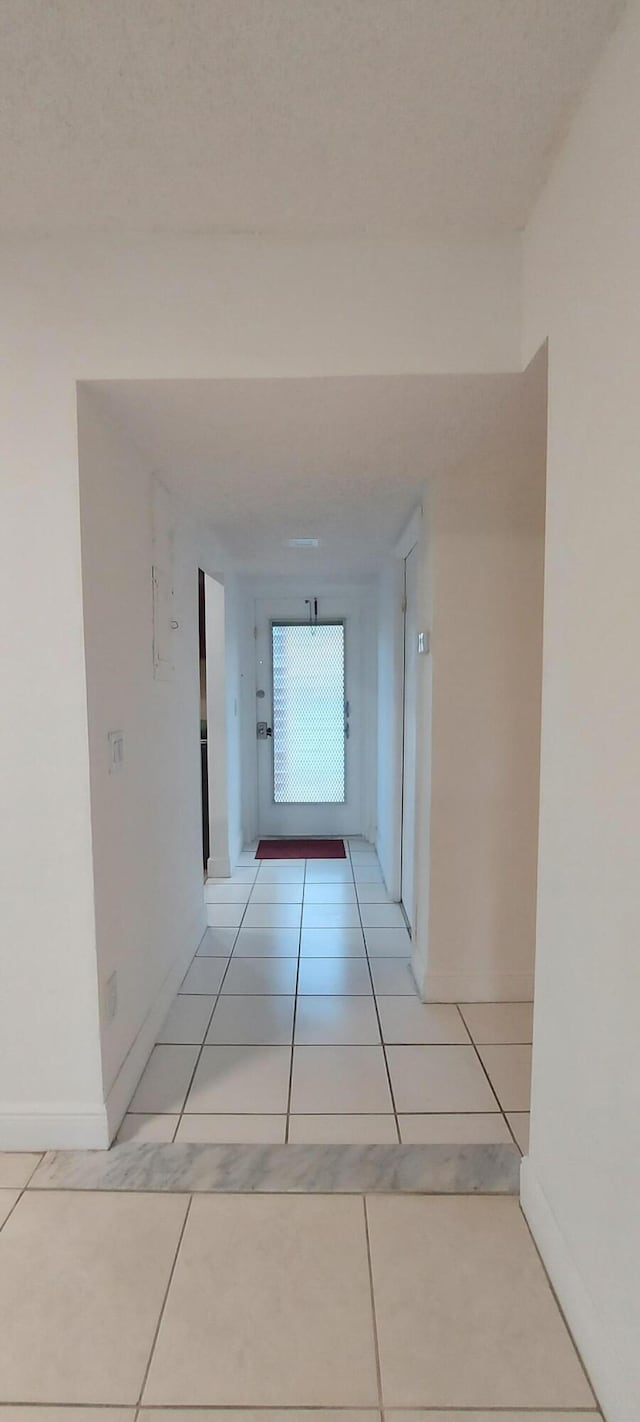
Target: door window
{"type": "Point", "coordinates": [308, 713]}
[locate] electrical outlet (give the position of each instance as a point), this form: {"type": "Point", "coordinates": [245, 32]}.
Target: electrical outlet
{"type": "Point", "coordinates": [111, 997]}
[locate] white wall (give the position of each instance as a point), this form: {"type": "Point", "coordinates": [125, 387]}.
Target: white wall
{"type": "Point", "coordinates": [389, 721]}
{"type": "Point", "coordinates": [219, 863]}
{"type": "Point", "coordinates": [581, 1182]}
{"type": "Point", "coordinates": [145, 819]}
{"type": "Point", "coordinates": [224, 634]}
{"type": "Point", "coordinates": [234, 631]}
{"type": "Point", "coordinates": [486, 527]}
{"type": "Point", "coordinates": [50, 1069]}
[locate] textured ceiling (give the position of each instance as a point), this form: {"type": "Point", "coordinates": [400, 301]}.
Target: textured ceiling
{"type": "Point", "coordinates": [289, 116]}
{"type": "Point", "coordinates": [341, 459]}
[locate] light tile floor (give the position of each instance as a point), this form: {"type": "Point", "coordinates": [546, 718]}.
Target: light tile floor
{"type": "Point", "coordinates": [435, 1306]}
{"type": "Point", "coordinates": [298, 1020]}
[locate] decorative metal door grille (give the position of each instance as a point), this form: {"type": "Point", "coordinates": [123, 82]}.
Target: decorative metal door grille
{"type": "Point", "coordinates": [308, 713]}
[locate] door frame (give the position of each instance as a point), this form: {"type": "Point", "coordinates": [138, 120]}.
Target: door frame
{"type": "Point", "coordinates": [408, 822]}
{"type": "Point", "coordinates": [362, 594]}
{"type": "Point", "coordinates": [313, 819]}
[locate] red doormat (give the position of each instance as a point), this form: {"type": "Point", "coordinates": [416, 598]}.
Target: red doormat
{"type": "Point", "coordinates": [301, 849]}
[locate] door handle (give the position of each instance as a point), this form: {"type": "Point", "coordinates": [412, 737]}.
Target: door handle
{"type": "Point", "coordinates": [263, 731]}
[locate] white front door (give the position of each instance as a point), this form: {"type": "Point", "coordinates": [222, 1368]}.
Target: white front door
{"type": "Point", "coordinates": [309, 716]}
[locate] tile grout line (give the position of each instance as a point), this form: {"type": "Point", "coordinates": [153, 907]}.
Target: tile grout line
{"type": "Point", "coordinates": [310, 1410]}
{"type": "Point", "coordinates": [495, 1094]}
{"type": "Point", "coordinates": [295, 1010]}
{"type": "Point", "coordinates": [377, 1012]}
{"type": "Point", "coordinates": [163, 1306]}
{"type": "Point", "coordinates": [374, 1319]}
{"type": "Point", "coordinates": [21, 1192]}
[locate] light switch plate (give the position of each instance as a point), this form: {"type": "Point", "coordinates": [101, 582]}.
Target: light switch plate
{"type": "Point", "coordinates": [116, 751]}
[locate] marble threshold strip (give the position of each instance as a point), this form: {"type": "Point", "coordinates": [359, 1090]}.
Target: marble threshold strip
{"type": "Point", "coordinates": [286, 1169]}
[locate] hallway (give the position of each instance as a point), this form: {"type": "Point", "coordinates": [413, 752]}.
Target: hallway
{"type": "Point", "coordinates": [298, 1021]}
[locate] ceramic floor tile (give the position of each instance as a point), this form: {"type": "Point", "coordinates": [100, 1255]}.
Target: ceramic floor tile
{"type": "Point", "coordinates": [330, 915]}
{"type": "Point", "coordinates": [282, 1286]}
{"type": "Point", "coordinates": [247, 860]}
{"type": "Point", "coordinates": [16, 1168]}
{"type": "Point", "coordinates": [439, 1079]}
{"type": "Point", "coordinates": [267, 943]}
{"type": "Point", "coordinates": [406, 1019]}
{"type": "Point", "coordinates": [232, 1130]}
{"type": "Point", "coordinates": [280, 875]}
{"type": "Point", "coordinates": [165, 1080]}
{"type": "Point", "coordinates": [253, 1021]}
{"type": "Point", "coordinates": [149, 1128]}
{"type": "Point", "coordinates": [325, 1020]}
{"type": "Point", "coordinates": [375, 893]}
{"type": "Point", "coordinates": [217, 943]}
{"type": "Point", "coordinates": [8, 1199]}
{"type": "Point", "coordinates": [336, 893]}
{"type": "Point", "coordinates": [261, 975]}
{"type": "Point", "coordinates": [463, 1129]}
{"type": "Point", "coordinates": [342, 1130]}
{"type": "Point", "coordinates": [238, 1079]}
{"type": "Point", "coordinates": [244, 874]}
{"type": "Point", "coordinates": [187, 1020]}
{"type": "Point", "coordinates": [227, 891]}
{"type": "Point", "coordinates": [329, 871]}
{"type": "Point", "coordinates": [225, 915]}
{"type": "Point", "coordinates": [382, 916]}
{"type": "Point", "coordinates": [272, 915]}
{"type": "Point", "coordinates": [387, 942]}
{"type": "Point", "coordinates": [22, 1413]}
{"type": "Point", "coordinates": [417, 1415]}
{"type": "Point", "coordinates": [465, 1314]}
{"type": "Point", "coordinates": [393, 976]}
{"type": "Point", "coordinates": [204, 976]}
{"type": "Point", "coordinates": [82, 1281]}
{"type": "Point", "coordinates": [332, 943]}
{"type": "Point", "coordinates": [333, 975]}
{"type": "Point", "coordinates": [505, 1022]}
{"type": "Point", "coordinates": [367, 874]}
{"type": "Point", "coordinates": [268, 893]}
{"type": "Point", "coordinates": [510, 1071]}
{"type": "Point", "coordinates": [256, 1414]}
{"type": "Point", "coordinates": [340, 1079]}
{"type": "Point", "coordinates": [519, 1122]}
{"type": "Point", "coordinates": [284, 864]}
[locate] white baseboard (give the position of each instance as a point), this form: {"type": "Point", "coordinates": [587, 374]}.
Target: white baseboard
{"type": "Point", "coordinates": [139, 1052]}
{"type": "Point", "coordinates": [478, 987]}
{"type": "Point", "coordinates": [616, 1390]}
{"type": "Point", "coordinates": [219, 866]}
{"type": "Point", "coordinates": [60, 1126]}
